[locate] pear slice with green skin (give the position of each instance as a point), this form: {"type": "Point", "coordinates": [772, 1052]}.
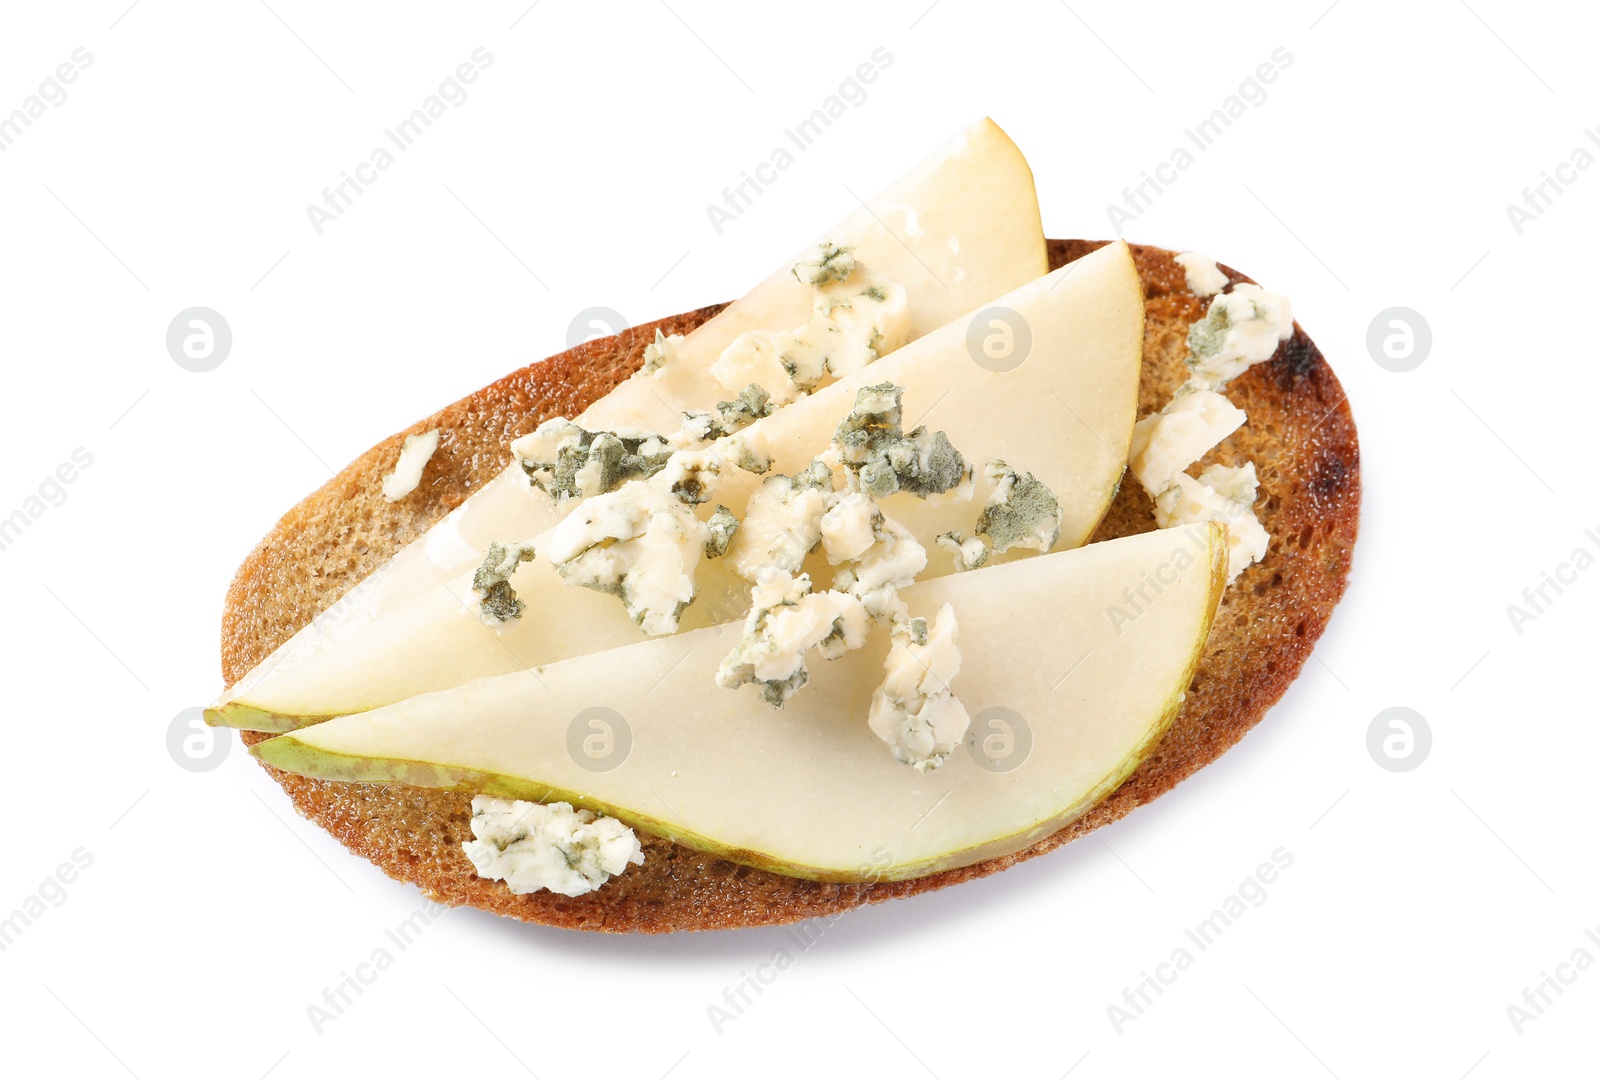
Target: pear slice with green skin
{"type": "Point", "coordinates": [1065, 413]}
{"type": "Point", "coordinates": [1073, 665]}
{"type": "Point", "coordinates": [958, 230]}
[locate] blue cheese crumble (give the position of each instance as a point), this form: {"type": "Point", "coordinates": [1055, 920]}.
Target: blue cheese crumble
{"type": "Point", "coordinates": [491, 582]}
{"type": "Point", "coordinates": [891, 563]}
{"type": "Point", "coordinates": [691, 475]}
{"type": "Point", "coordinates": [786, 621]}
{"type": "Point", "coordinates": [829, 262]}
{"type": "Point", "coordinates": [883, 459]}
{"type": "Point", "coordinates": [721, 527]}
{"type": "Point", "coordinates": [1241, 328]}
{"type": "Point", "coordinates": [915, 712]}
{"type": "Point", "coordinates": [750, 452]}
{"type": "Point", "coordinates": [570, 462]}
{"type": "Point", "coordinates": [641, 543]}
{"type": "Point", "coordinates": [969, 554]}
{"type": "Point", "coordinates": [850, 526]}
{"type": "Point", "coordinates": [1022, 511]}
{"type": "Point", "coordinates": [534, 846]}
{"type": "Point", "coordinates": [749, 405]}
{"type": "Point", "coordinates": [857, 316]}
{"type": "Point", "coordinates": [788, 518]}
{"type": "Point", "coordinates": [661, 352]}
{"type": "Point", "coordinates": [1221, 493]}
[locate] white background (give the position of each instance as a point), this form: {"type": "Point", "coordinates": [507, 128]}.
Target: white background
{"type": "Point", "coordinates": [1419, 904]}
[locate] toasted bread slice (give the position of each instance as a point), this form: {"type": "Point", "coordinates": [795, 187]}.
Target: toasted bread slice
{"type": "Point", "coordinates": [1300, 434]}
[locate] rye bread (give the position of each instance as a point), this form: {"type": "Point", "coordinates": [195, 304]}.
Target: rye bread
{"type": "Point", "coordinates": [1300, 435]}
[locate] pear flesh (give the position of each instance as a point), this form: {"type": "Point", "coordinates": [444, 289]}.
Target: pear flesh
{"type": "Point", "coordinates": [1065, 414]}
{"type": "Point", "coordinates": [1074, 664]}
{"type": "Point", "coordinates": [957, 231]}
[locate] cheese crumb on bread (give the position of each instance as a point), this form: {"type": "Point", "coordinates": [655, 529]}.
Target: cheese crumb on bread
{"type": "Point", "coordinates": [1200, 273]}
{"type": "Point", "coordinates": [1220, 494]}
{"type": "Point", "coordinates": [1241, 328]}
{"type": "Point", "coordinates": [415, 454]}
{"type": "Point", "coordinates": [533, 846]}
{"type": "Point", "coordinates": [1165, 443]}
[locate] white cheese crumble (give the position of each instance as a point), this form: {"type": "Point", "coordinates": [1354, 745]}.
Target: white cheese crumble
{"type": "Point", "coordinates": [848, 529]}
{"type": "Point", "coordinates": [661, 352]}
{"type": "Point", "coordinates": [532, 846]}
{"type": "Point", "coordinates": [414, 457]}
{"type": "Point", "coordinates": [1220, 494]}
{"type": "Point", "coordinates": [914, 711]}
{"type": "Point", "coordinates": [1166, 442]}
{"type": "Point", "coordinates": [1241, 328]}
{"type": "Point", "coordinates": [828, 262]}
{"type": "Point", "coordinates": [857, 316]}
{"type": "Point", "coordinates": [782, 522]}
{"type": "Point", "coordinates": [640, 543]}
{"type": "Point", "coordinates": [786, 621]}
{"type": "Point", "coordinates": [968, 554]}
{"type": "Point", "coordinates": [1200, 273]}
{"type": "Point", "coordinates": [749, 451]}
{"type": "Point", "coordinates": [876, 575]}
{"type": "Point", "coordinates": [752, 359]}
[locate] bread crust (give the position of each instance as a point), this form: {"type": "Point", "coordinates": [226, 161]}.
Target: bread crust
{"type": "Point", "coordinates": [1300, 434]}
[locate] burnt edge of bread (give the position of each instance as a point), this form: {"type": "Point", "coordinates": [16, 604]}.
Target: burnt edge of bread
{"type": "Point", "coordinates": [1300, 434]}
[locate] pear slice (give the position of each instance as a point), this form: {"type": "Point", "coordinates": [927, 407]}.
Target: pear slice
{"type": "Point", "coordinates": [1065, 414]}
{"type": "Point", "coordinates": [956, 231]}
{"type": "Point", "coordinates": [1074, 664]}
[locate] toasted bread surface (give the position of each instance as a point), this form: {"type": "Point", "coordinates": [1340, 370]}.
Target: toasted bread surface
{"type": "Point", "coordinates": [1300, 434]}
